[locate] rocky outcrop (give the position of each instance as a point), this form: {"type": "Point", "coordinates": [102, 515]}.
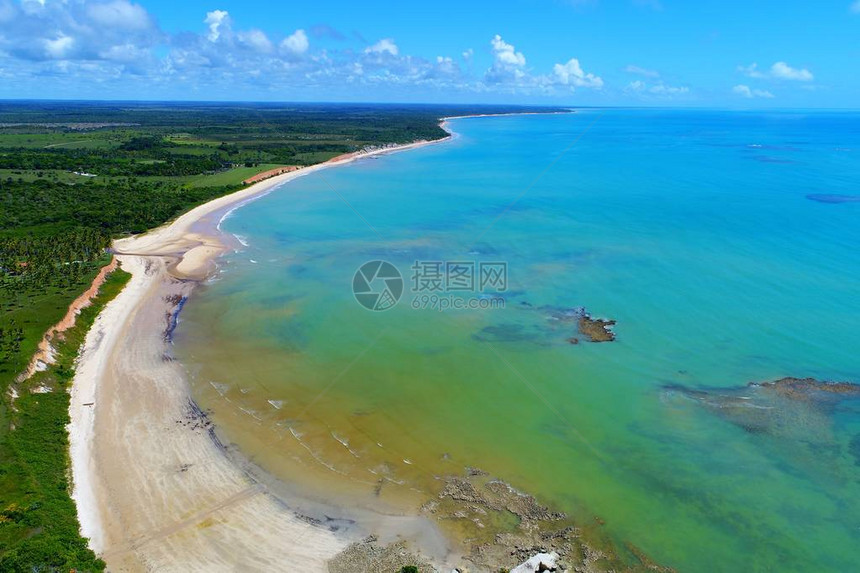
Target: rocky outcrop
{"type": "Point", "coordinates": [368, 556]}
{"type": "Point", "coordinates": [810, 388]}
{"type": "Point", "coordinates": [505, 529]}
{"type": "Point", "coordinates": [596, 329]}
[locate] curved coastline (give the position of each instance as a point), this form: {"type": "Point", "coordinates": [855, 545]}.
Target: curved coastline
{"type": "Point", "coordinates": [154, 487]}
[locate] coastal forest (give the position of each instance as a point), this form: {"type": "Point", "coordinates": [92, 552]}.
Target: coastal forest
{"type": "Point", "coordinates": [74, 176]}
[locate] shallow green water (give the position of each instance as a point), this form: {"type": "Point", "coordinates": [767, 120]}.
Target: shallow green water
{"type": "Point", "coordinates": [691, 229]}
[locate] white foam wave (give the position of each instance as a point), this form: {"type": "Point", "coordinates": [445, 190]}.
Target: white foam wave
{"type": "Point", "coordinates": [345, 443]}
{"type": "Point", "coordinates": [314, 455]}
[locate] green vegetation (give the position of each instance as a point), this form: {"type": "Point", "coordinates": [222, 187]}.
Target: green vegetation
{"type": "Point", "coordinates": [74, 175]}
{"type": "Point", "coordinates": [41, 275]}
{"type": "Point", "coordinates": [124, 206]}
{"type": "Point", "coordinates": [38, 522]}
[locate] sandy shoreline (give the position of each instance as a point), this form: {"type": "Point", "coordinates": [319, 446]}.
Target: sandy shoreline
{"type": "Point", "coordinates": [154, 487]}
{"type": "Point", "coordinates": [152, 484]}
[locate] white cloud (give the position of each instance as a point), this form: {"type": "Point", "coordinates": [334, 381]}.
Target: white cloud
{"type": "Point", "coordinates": [119, 14]}
{"type": "Point", "coordinates": [446, 65]}
{"type": "Point", "coordinates": [660, 89]}
{"type": "Point", "coordinates": [59, 47]}
{"type": "Point", "coordinates": [631, 69]}
{"type": "Point", "coordinates": [383, 46]}
{"type": "Point", "coordinates": [506, 54]}
{"type": "Point", "coordinates": [743, 90]}
{"type": "Point", "coordinates": [123, 53]}
{"type": "Point", "coordinates": [783, 71]}
{"type": "Point", "coordinates": [32, 6]}
{"type": "Point", "coordinates": [571, 74]}
{"type": "Point", "coordinates": [74, 29]}
{"type": "Point", "coordinates": [749, 93]}
{"type": "Point", "coordinates": [256, 40]}
{"type": "Point", "coordinates": [751, 71]}
{"type": "Point", "coordinates": [95, 42]}
{"type": "Point", "coordinates": [218, 21]}
{"type": "Point", "coordinates": [779, 71]}
{"type": "Point", "coordinates": [508, 64]}
{"type": "Point", "coordinates": [296, 43]}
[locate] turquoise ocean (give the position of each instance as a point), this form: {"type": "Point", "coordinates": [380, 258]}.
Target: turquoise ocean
{"type": "Point", "coordinates": [694, 230]}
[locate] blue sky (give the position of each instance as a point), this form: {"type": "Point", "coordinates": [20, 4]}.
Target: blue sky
{"type": "Point", "coordinates": [569, 52]}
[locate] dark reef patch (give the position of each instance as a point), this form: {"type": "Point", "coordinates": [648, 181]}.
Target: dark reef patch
{"type": "Point", "coordinates": [811, 389]}
{"type": "Point", "coordinates": [509, 332]}
{"type": "Point", "coordinates": [769, 159]}
{"type": "Point", "coordinates": [833, 198]}
{"type": "Point", "coordinates": [796, 408]}
{"type": "Point", "coordinates": [854, 449]}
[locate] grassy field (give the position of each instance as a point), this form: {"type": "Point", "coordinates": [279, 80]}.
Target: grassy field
{"type": "Point", "coordinates": [233, 176]}
{"type": "Point", "coordinates": [61, 139]}
{"type": "Point", "coordinates": [228, 177]}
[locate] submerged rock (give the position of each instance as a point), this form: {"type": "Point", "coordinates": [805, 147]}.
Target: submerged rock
{"type": "Point", "coordinates": [833, 198]}
{"type": "Point", "coordinates": [804, 389]}
{"type": "Point", "coordinates": [798, 408]}
{"type": "Point", "coordinates": [810, 388]}
{"type": "Point", "coordinates": [506, 332]}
